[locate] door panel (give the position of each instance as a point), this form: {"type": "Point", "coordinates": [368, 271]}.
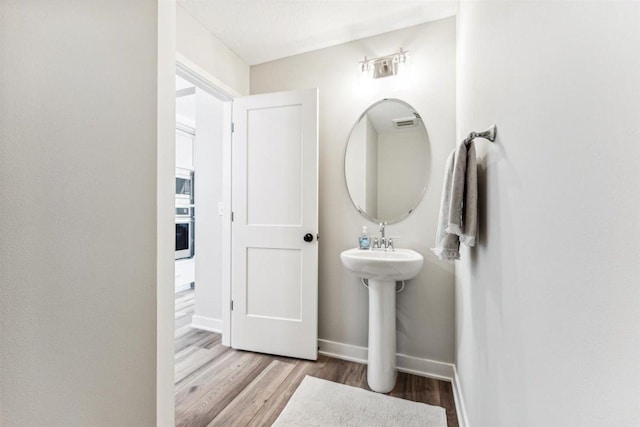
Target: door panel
{"type": "Point", "coordinates": [274, 162]}
{"type": "Point", "coordinates": [275, 203]}
{"type": "Point", "coordinates": [274, 292]}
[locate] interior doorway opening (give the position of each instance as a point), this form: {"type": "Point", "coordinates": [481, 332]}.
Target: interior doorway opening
{"type": "Point", "coordinates": [202, 223]}
{"type": "Point", "coordinates": [203, 200]}
{"type": "Point", "coordinates": [199, 205]}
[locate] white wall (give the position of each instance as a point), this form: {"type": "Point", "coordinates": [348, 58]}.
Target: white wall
{"type": "Point", "coordinates": [186, 109]}
{"type": "Point", "coordinates": [184, 147]}
{"type": "Point", "coordinates": [202, 48]}
{"type": "Point", "coordinates": [425, 309]}
{"type": "Point", "coordinates": [356, 164]}
{"type": "Point", "coordinates": [402, 159]}
{"type": "Point", "coordinates": [78, 212]}
{"type": "Point", "coordinates": [208, 192]}
{"type": "Point", "coordinates": [371, 167]}
{"type": "Point", "coordinates": [548, 304]}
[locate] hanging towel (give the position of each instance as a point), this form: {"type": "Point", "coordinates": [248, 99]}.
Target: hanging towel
{"type": "Point", "coordinates": [470, 217]}
{"type": "Point", "coordinates": [458, 220]}
{"type": "Point", "coordinates": [447, 245]}
{"type": "Point", "coordinates": [463, 209]}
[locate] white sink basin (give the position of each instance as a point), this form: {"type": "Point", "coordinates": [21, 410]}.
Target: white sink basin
{"type": "Point", "coordinates": [382, 269]}
{"type": "Point", "coordinates": [401, 264]}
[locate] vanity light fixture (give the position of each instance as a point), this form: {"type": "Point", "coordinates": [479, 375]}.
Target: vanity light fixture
{"type": "Point", "coordinates": [384, 66]}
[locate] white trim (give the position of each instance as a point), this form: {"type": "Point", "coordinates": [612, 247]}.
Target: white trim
{"type": "Point", "coordinates": [182, 127]}
{"type": "Point", "coordinates": [461, 411]}
{"type": "Point", "coordinates": [165, 214]}
{"type": "Point", "coordinates": [197, 75]}
{"type": "Point", "coordinates": [206, 324]}
{"type": "Point", "coordinates": [227, 120]}
{"type": "Point", "coordinates": [338, 350]}
{"type": "Point", "coordinates": [425, 367]}
{"type": "Point", "coordinates": [409, 364]}
{"type": "Point", "coordinates": [187, 91]}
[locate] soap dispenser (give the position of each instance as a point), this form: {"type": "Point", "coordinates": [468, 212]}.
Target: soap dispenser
{"type": "Point", "coordinates": [364, 241]}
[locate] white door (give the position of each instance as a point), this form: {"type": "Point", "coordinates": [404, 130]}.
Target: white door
{"type": "Point", "coordinates": [275, 224]}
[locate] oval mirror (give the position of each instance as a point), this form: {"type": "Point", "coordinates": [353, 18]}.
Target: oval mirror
{"type": "Point", "coordinates": [386, 161]}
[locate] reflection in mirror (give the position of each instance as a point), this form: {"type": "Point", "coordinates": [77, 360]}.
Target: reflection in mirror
{"type": "Point", "coordinates": [386, 161]}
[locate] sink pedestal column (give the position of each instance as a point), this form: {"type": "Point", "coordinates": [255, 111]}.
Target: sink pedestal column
{"type": "Point", "coordinates": [381, 369]}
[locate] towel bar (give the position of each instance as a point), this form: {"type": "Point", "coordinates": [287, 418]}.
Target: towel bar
{"type": "Point", "coordinates": [489, 134]}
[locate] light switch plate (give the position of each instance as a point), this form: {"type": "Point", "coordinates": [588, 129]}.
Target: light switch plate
{"type": "Point", "coordinates": [220, 208]}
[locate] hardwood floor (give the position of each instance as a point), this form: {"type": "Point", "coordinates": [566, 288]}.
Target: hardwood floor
{"type": "Point", "coordinates": [219, 386]}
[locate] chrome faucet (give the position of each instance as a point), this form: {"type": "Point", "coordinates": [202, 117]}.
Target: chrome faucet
{"type": "Point", "coordinates": [382, 242]}
{"type": "Point", "coordinates": [376, 243]}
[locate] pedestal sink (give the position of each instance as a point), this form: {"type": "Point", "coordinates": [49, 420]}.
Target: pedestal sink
{"type": "Point", "coordinates": [382, 269]}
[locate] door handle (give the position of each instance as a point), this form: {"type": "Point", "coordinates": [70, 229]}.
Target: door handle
{"type": "Point", "coordinates": [308, 237]}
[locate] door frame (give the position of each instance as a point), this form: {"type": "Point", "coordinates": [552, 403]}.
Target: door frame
{"type": "Point", "coordinates": [209, 83]}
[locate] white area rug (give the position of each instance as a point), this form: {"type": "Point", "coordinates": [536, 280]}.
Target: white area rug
{"type": "Point", "coordinates": [318, 402]}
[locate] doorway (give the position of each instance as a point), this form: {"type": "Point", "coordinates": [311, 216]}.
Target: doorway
{"type": "Point", "coordinates": [203, 222]}
{"type": "Point", "coordinates": [274, 164]}
{"type": "Point", "coordinates": [203, 139]}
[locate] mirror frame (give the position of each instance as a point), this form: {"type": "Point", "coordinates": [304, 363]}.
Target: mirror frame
{"type": "Point", "coordinates": [344, 160]}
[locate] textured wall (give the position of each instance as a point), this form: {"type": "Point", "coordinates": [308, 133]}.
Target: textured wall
{"type": "Point", "coordinates": [548, 304]}
{"type": "Point", "coordinates": [78, 213]}
{"type": "Point", "coordinates": [201, 47]}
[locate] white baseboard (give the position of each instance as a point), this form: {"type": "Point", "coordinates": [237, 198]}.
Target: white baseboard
{"type": "Point", "coordinates": [409, 364]}
{"type": "Point", "coordinates": [425, 367]}
{"type": "Point", "coordinates": [461, 410]}
{"type": "Point", "coordinates": [342, 351]}
{"type": "Point", "coordinates": [206, 324]}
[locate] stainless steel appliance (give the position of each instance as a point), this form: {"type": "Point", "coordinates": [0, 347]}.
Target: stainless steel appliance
{"type": "Point", "coordinates": [184, 186]}
{"type": "Point", "coordinates": [185, 231]}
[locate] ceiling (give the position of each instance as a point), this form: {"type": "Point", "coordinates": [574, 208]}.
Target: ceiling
{"type": "Point", "coordinates": [264, 30]}
{"type": "Point", "coordinates": [382, 115]}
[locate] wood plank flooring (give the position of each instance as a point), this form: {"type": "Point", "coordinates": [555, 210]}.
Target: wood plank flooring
{"type": "Point", "coordinates": [219, 386]}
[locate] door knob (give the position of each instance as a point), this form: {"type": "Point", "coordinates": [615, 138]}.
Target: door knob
{"type": "Point", "coordinates": [308, 237]}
